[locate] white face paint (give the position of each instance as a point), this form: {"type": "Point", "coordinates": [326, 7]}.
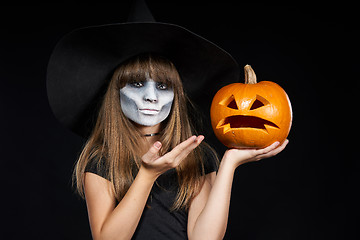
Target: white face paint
{"type": "Point", "coordinates": [147, 103]}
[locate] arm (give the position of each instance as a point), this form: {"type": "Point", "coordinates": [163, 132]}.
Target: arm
{"type": "Point", "coordinates": [108, 221]}
{"type": "Point", "coordinates": [208, 213]}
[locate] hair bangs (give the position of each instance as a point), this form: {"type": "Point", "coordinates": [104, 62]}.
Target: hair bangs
{"type": "Point", "coordinates": [145, 66]}
{"type": "Point", "coordinates": [163, 71]}
{"type": "Point", "coordinates": [132, 71]}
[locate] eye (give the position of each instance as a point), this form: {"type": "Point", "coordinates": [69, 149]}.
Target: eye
{"type": "Point", "coordinates": [259, 102]}
{"type": "Point", "coordinates": [162, 86]}
{"type": "Point", "coordinates": [232, 104]}
{"type": "Point", "coordinates": [137, 84]}
{"type": "Point", "coordinates": [229, 102]}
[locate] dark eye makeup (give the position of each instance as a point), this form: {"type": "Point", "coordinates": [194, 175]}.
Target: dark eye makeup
{"type": "Point", "coordinates": [137, 84]}
{"type": "Point", "coordinates": [159, 85]}
{"type": "Point", "coordinates": [162, 86]}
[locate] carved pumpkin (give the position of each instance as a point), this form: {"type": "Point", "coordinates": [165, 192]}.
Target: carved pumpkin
{"type": "Point", "coordinates": [251, 115]}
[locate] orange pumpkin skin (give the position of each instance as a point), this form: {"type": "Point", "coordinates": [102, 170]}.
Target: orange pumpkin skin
{"type": "Point", "coordinates": [251, 115]}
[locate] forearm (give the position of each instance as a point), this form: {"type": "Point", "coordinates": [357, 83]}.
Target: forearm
{"type": "Point", "coordinates": [212, 222]}
{"type": "Point", "coordinates": [122, 222]}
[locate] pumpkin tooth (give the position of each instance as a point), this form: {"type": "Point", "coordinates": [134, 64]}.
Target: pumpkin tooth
{"type": "Point", "coordinates": [226, 127]}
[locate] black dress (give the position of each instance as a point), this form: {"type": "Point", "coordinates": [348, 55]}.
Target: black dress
{"type": "Point", "coordinates": [157, 221]}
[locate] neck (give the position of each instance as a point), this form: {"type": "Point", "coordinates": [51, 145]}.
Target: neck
{"type": "Point", "coordinates": [151, 134]}
{"type": "Point", "coordinates": [148, 141]}
{"type": "Point", "coordinates": [149, 130]}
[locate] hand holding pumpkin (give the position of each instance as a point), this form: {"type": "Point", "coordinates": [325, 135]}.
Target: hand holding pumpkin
{"type": "Point", "coordinates": [236, 157]}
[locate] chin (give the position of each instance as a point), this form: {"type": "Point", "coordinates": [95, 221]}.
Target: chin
{"type": "Point", "coordinates": [146, 122]}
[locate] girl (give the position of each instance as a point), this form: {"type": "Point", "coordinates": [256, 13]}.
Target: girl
{"type": "Point", "coordinates": [143, 171]}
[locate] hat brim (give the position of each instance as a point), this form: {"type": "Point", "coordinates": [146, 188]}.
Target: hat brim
{"type": "Point", "coordinates": [83, 61]}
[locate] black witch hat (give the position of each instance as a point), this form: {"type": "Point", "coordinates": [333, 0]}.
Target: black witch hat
{"type": "Point", "coordinates": [83, 61]}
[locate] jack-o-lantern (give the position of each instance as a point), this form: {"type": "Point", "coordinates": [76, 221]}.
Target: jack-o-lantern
{"type": "Point", "coordinates": [251, 115]}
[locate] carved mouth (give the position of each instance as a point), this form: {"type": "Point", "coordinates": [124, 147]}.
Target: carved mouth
{"type": "Point", "coordinates": [241, 121]}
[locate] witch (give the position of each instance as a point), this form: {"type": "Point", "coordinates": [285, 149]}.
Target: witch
{"type": "Point", "coordinates": [144, 171]}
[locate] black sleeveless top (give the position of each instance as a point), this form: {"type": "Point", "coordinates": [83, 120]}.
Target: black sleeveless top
{"type": "Point", "coordinates": [157, 221]}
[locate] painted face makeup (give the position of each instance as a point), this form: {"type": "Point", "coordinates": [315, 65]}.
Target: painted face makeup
{"type": "Point", "coordinates": [146, 103]}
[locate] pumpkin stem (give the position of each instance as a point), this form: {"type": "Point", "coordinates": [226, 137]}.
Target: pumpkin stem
{"type": "Point", "coordinates": [250, 76]}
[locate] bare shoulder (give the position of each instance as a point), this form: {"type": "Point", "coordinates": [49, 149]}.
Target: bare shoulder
{"type": "Point", "coordinates": [94, 183]}
{"type": "Point", "coordinates": [100, 200]}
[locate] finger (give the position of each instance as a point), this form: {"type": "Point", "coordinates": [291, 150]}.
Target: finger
{"type": "Point", "coordinates": [274, 151]}
{"type": "Point", "coordinates": [199, 139]}
{"type": "Point", "coordinates": [267, 149]}
{"type": "Point", "coordinates": [187, 150]}
{"type": "Point", "coordinates": [181, 147]}
{"type": "Point", "coordinates": [153, 152]}
{"type": "Point", "coordinates": [281, 147]}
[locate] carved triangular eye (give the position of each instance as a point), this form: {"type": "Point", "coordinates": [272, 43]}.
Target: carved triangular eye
{"type": "Point", "coordinates": [230, 102]}
{"type": "Point", "coordinates": [256, 105]}
{"type": "Point", "coordinates": [233, 104]}
{"type": "Point", "coordinates": [259, 102]}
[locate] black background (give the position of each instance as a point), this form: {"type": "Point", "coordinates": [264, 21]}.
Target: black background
{"type": "Point", "coordinates": [309, 191]}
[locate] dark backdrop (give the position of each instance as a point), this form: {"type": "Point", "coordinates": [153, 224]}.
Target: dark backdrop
{"type": "Point", "coordinates": [309, 191]}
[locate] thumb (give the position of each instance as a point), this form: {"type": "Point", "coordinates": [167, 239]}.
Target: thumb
{"type": "Point", "coordinates": [153, 152]}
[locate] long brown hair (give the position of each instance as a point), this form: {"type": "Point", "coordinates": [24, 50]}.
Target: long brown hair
{"type": "Point", "coordinates": [115, 140]}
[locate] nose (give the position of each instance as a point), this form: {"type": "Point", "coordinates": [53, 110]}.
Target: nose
{"type": "Point", "coordinates": [150, 93]}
